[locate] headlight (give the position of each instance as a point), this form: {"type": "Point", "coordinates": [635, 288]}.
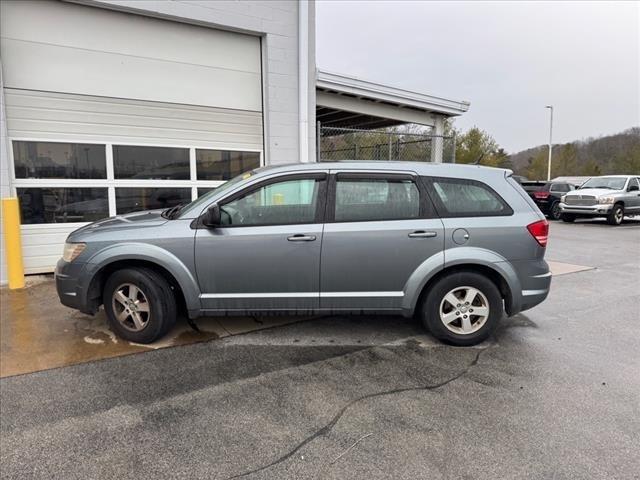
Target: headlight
{"type": "Point", "coordinates": [606, 200]}
{"type": "Point", "coordinates": [562, 198]}
{"type": "Point", "coordinates": [72, 250]}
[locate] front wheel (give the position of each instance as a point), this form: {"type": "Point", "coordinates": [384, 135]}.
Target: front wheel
{"type": "Point", "coordinates": [616, 215]}
{"type": "Point", "coordinates": [462, 308]}
{"type": "Point", "coordinates": [139, 304]}
{"type": "Point", "coordinates": [567, 217]}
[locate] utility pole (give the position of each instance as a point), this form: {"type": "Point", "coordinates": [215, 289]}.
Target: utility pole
{"type": "Point", "coordinates": [550, 107]}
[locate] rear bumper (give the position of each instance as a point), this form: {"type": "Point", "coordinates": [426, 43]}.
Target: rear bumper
{"type": "Point", "coordinates": [535, 283]}
{"type": "Point", "coordinates": [591, 211]}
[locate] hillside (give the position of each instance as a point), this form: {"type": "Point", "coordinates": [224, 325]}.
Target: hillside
{"type": "Point", "coordinates": [611, 154]}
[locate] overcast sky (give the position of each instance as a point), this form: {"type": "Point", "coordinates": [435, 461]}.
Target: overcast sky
{"type": "Point", "coordinates": [509, 59]}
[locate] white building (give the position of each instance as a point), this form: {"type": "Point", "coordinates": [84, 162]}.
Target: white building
{"type": "Point", "coordinates": [112, 106]}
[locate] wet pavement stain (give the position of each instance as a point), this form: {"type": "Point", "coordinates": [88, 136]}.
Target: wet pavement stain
{"type": "Point", "coordinates": [38, 333]}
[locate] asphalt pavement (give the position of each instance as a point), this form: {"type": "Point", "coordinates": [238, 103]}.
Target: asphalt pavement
{"type": "Point", "coordinates": [555, 394]}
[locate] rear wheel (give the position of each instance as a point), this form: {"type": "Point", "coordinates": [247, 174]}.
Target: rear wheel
{"type": "Point", "coordinates": [462, 308]}
{"type": "Point", "coordinates": [567, 217]}
{"type": "Point", "coordinates": [139, 304]}
{"type": "Point", "coordinates": [616, 215]}
{"type": "Point", "coordinates": [554, 211]}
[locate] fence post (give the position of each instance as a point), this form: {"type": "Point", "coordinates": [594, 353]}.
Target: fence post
{"type": "Point", "coordinates": [318, 141]}
{"type": "Point", "coordinates": [453, 154]}
{"type": "Point", "coordinates": [389, 145]}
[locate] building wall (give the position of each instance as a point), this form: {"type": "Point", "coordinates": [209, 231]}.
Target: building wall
{"type": "Point", "coordinates": [277, 21]}
{"type": "Point", "coordinates": [288, 66]}
{"type": "Point", "coordinates": [4, 176]}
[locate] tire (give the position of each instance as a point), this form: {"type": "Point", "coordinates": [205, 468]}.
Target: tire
{"type": "Point", "coordinates": [554, 211]}
{"type": "Point", "coordinates": [457, 284]}
{"type": "Point", "coordinates": [616, 215]}
{"type": "Point", "coordinates": [154, 311]}
{"type": "Point", "coordinates": [567, 217]}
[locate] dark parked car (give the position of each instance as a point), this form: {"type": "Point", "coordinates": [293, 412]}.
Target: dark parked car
{"type": "Point", "coordinates": [547, 195]}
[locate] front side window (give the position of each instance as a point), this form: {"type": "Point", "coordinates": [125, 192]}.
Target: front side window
{"type": "Point", "coordinates": [374, 199]}
{"type": "Point", "coordinates": [156, 163]}
{"type": "Point", "coordinates": [459, 197]}
{"type": "Point", "coordinates": [282, 203]}
{"type": "Point", "coordinates": [62, 205]}
{"type": "Point", "coordinates": [59, 160]}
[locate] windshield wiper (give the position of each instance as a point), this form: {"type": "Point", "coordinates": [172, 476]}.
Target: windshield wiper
{"type": "Point", "coordinates": [170, 213]}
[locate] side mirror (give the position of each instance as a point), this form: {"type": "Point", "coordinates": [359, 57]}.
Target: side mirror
{"type": "Point", "coordinates": [633, 188]}
{"type": "Point", "coordinates": [212, 216]}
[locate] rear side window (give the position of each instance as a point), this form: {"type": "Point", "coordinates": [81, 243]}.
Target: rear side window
{"type": "Point", "coordinates": [371, 199]}
{"type": "Point", "coordinates": [458, 197]}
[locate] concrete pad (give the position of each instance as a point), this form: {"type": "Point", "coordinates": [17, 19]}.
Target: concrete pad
{"type": "Point", "coordinates": [560, 268]}
{"type": "Point", "coordinates": [38, 333]}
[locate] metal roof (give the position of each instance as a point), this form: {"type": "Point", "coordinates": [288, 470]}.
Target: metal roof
{"type": "Point", "coordinates": [361, 89]}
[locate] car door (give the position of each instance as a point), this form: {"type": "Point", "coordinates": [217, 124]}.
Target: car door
{"type": "Point", "coordinates": [379, 228]}
{"type": "Point", "coordinates": [265, 255]}
{"type": "Point", "coordinates": [632, 200]}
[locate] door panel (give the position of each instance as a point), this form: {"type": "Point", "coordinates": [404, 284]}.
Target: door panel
{"type": "Point", "coordinates": [259, 267]}
{"type": "Point", "coordinates": [265, 255]}
{"type": "Point", "coordinates": [365, 265]}
{"type": "Point", "coordinates": [379, 229]}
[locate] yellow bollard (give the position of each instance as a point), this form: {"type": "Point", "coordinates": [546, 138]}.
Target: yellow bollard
{"type": "Point", "coordinates": [13, 242]}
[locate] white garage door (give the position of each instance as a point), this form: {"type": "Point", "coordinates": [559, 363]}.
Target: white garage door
{"type": "Point", "coordinates": [109, 113]}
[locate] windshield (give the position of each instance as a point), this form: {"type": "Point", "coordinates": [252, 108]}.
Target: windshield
{"type": "Point", "coordinates": [612, 183]}
{"type": "Point", "coordinates": [196, 206]}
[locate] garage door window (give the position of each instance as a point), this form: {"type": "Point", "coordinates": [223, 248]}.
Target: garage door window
{"type": "Point", "coordinates": [224, 164]}
{"type": "Point", "coordinates": [63, 182]}
{"type": "Point", "coordinates": [59, 160]}
{"type": "Point", "coordinates": [157, 163]}
{"type": "Point", "coordinates": [135, 199]}
{"type": "Point", "coordinates": [62, 205]}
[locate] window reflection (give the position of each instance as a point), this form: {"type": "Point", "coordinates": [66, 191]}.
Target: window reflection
{"type": "Point", "coordinates": [160, 163]}
{"type": "Point", "coordinates": [59, 160]}
{"type": "Point", "coordinates": [136, 199]}
{"type": "Point", "coordinates": [62, 205]}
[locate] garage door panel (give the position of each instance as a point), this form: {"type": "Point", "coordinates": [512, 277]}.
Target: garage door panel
{"type": "Point", "coordinates": [87, 28]}
{"type": "Point", "coordinates": [112, 75]}
{"type": "Point", "coordinates": [25, 115]}
{"type": "Point", "coordinates": [99, 105]}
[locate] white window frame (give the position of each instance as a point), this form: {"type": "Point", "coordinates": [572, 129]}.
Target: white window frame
{"type": "Point", "coordinates": [111, 183]}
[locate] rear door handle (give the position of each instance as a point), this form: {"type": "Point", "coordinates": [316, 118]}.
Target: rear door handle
{"type": "Point", "coordinates": [301, 237]}
{"type": "Point", "coordinates": [422, 234]}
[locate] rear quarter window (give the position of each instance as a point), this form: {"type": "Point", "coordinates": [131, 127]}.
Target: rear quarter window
{"type": "Point", "coordinates": [459, 197]}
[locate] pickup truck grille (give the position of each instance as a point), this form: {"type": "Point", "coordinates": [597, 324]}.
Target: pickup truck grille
{"type": "Point", "coordinates": [581, 200]}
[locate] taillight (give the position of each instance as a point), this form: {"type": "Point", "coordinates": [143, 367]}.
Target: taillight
{"type": "Point", "coordinates": [540, 231]}
{"type": "Point", "coordinates": [541, 195]}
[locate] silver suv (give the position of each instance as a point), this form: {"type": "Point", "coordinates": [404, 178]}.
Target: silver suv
{"type": "Point", "coordinates": [611, 197]}
{"type": "Point", "coordinates": [456, 245]}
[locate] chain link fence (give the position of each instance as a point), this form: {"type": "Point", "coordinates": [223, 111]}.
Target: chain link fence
{"type": "Point", "coordinates": [337, 143]}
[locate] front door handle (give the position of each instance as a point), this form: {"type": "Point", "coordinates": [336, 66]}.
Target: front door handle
{"type": "Point", "coordinates": [301, 237]}
{"type": "Point", "coordinates": [422, 234]}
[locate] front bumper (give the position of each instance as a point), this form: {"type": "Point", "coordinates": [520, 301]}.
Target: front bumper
{"type": "Point", "coordinates": [591, 210]}
{"type": "Point", "coordinates": [68, 285]}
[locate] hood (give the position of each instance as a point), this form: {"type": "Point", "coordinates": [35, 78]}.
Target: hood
{"type": "Point", "coordinates": [146, 218]}
{"type": "Point", "coordinates": [596, 192]}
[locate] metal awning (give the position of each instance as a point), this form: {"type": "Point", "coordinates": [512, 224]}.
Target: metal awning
{"type": "Point", "coordinates": [343, 101]}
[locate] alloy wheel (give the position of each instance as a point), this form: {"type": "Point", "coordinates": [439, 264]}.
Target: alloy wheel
{"type": "Point", "coordinates": [464, 310]}
{"type": "Point", "coordinates": [619, 214]}
{"type": "Point", "coordinates": [131, 307]}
